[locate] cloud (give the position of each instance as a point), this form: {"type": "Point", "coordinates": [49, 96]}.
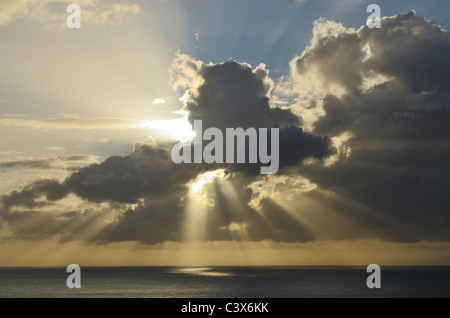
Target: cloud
{"type": "Point", "coordinates": [399, 129]}
{"type": "Point", "coordinates": [281, 186]}
{"type": "Point", "coordinates": [14, 115]}
{"type": "Point", "coordinates": [231, 95]}
{"type": "Point", "coordinates": [9, 9]}
{"type": "Point", "coordinates": [53, 162]}
{"type": "Point", "coordinates": [222, 253]}
{"type": "Point", "coordinates": [158, 101]}
{"type": "Point", "coordinates": [147, 175]}
{"type": "Point", "coordinates": [73, 123]}
{"type": "Point", "coordinates": [235, 226]}
{"type": "Point", "coordinates": [55, 148]}
{"type": "Point", "coordinates": [113, 15]}
{"type": "Point", "coordinates": [52, 190]}
{"type": "Point", "coordinates": [10, 152]}
{"type": "Point", "coordinates": [157, 188]}
{"type": "Point", "coordinates": [148, 171]}
{"type": "Point", "coordinates": [52, 13]}
{"type": "Point", "coordinates": [383, 97]}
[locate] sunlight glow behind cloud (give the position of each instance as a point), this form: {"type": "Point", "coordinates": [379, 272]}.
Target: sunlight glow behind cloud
{"type": "Point", "coordinates": [177, 129]}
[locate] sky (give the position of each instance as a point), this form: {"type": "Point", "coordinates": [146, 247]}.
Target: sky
{"type": "Point", "coordinates": [88, 118]}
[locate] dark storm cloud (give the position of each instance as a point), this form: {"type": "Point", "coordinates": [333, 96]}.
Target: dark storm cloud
{"type": "Point", "coordinates": [400, 144]}
{"type": "Point", "coordinates": [336, 58]}
{"type": "Point", "coordinates": [297, 145]}
{"type": "Point", "coordinates": [52, 190]}
{"type": "Point", "coordinates": [153, 222]}
{"type": "Point", "coordinates": [233, 95]}
{"type": "Point", "coordinates": [406, 47]}
{"type": "Point", "coordinates": [392, 186]}
{"type": "Point", "coordinates": [148, 171]}
{"type": "Point", "coordinates": [411, 49]}
{"type": "Point", "coordinates": [148, 174]}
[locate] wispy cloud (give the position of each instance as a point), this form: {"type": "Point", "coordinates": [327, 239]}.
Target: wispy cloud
{"type": "Point", "coordinates": [72, 123]}
{"type": "Point", "coordinates": [55, 148]}
{"type": "Point", "coordinates": [9, 152]}
{"type": "Point", "coordinates": [14, 115]}
{"type": "Point", "coordinates": [52, 13]}
{"type": "Point", "coordinates": [52, 162]}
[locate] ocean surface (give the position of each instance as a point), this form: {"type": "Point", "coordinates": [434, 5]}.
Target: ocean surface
{"type": "Point", "coordinates": [225, 282]}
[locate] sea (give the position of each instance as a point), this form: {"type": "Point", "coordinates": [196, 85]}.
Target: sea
{"type": "Point", "coordinates": [225, 282]}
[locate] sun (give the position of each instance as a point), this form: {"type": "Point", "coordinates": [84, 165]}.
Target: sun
{"type": "Point", "coordinates": [177, 129]}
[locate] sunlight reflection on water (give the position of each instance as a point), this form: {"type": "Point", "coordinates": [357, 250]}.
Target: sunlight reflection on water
{"type": "Point", "coordinates": [201, 271]}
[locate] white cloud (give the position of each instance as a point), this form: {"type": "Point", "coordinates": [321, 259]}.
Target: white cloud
{"type": "Point", "coordinates": [235, 226]}
{"type": "Point", "coordinates": [184, 72]}
{"type": "Point", "coordinates": [159, 101]}
{"type": "Point", "coordinates": [274, 186]}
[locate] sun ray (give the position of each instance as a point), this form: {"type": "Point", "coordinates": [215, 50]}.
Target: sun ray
{"type": "Point", "coordinates": [198, 204]}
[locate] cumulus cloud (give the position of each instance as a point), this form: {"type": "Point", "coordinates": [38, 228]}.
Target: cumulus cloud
{"type": "Point", "coordinates": [117, 182]}
{"type": "Point", "coordinates": [51, 189]}
{"type": "Point", "coordinates": [399, 128]}
{"type": "Point", "coordinates": [148, 171]}
{"type": "Point", "coordinates": [384, 97]}
{"type": "Point", "coordinates": [232, 94]}
{"type": "Point", "coordinates": [228, 94]}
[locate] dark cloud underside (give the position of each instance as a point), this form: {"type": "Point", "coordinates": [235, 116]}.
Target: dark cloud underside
{"type": "Point", "coordinates": [394, 184]}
